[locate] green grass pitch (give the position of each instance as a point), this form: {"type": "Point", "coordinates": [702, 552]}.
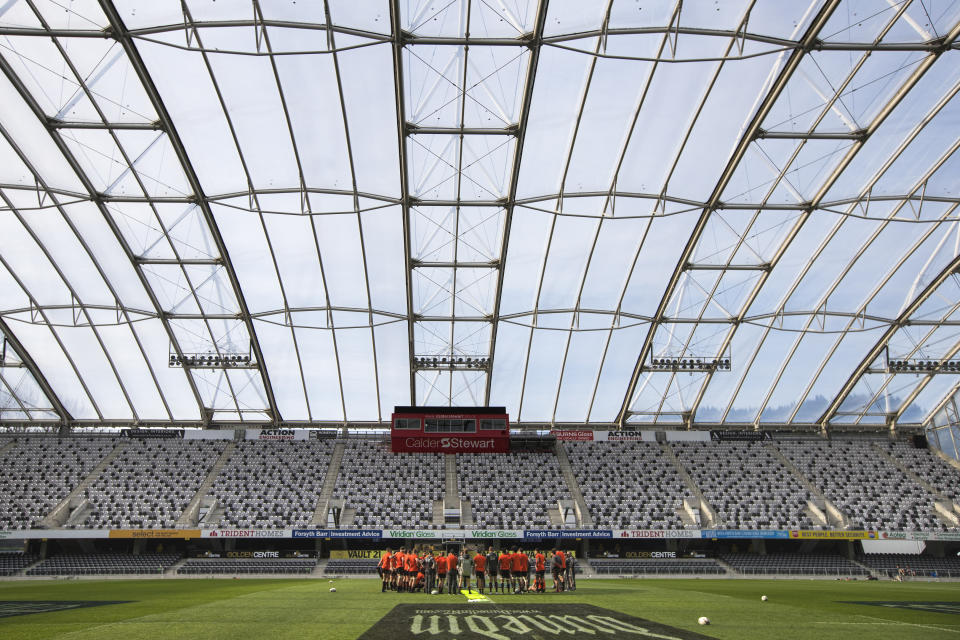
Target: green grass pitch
{"type": "Point", "coordinates": [276, 609]}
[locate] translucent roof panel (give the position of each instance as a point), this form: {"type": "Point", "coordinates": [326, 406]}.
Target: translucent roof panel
{"type": "Point", "coordinates": [666, 213]}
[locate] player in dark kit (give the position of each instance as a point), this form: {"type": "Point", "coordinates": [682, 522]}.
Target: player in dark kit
{"type": "Point", "coordinates": [493, 568]}
{"type": "Point", "coordinates": [556, 566]}
{"type": "Point", "coordinates": [385, 569]}
{"type": "Point", "coordinates": [571, 577]}
{"type": "Point", "coordinates": [530, 565]}
{"type": "Point", "coordinates": [429, 571]}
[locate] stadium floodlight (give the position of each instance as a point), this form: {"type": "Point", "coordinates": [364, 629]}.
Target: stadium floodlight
{"type": "Point", "coordinates": [209, 360]}
{"type": "Point", "coordinates": [450, 362]}
{"type": "Point", "coordinates": [688, 363]}
{"type": "Point", "coordinates": [924, 365]}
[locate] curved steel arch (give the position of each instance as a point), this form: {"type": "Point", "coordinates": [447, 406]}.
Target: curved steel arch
{"type": "Point", "coordinates": [943, 44]}
{"type": "Point", "coordinates": [27, 360]}
{"type": "Point", "coordinates": [877, 349]}
{"type": "Point", "coordinates": [118, 30]}
{"type": "Point", "coordinates": [536, 36]}
{"type": "Point", "coordinates": [807, 42]}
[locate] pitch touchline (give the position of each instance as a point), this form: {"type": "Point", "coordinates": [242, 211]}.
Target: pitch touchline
{"type": "Point", "coordinates": [881, 621]}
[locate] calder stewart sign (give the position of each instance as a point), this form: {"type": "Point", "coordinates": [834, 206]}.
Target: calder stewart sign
{"type": "Point", "coordinates": [460, 443]}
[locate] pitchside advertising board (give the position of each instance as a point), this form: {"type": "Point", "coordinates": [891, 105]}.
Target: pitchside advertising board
{"type": "Point", "coordinates": [589, 435]}
{"type": "Point", "coordinates": [560, 534]}
{"type": "Point", "coordinates": [458, 534]}
{"type": "Point", "coordinates": [743, 533]}
{"type": "Point", "coordinates": [278, 434]}
{"type": "Point", "coordinates": [834, 535]}
{"type": "Point", "coordinates": [656, 534]}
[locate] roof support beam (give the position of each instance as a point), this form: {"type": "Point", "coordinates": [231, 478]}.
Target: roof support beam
{"type": "Point", "coordinates": [535, 43]}
{"type": "Point", "coordinates": [55, 123]}
{"type": "Point", "coordinates": [28, 362]}
{"type": "Point", "coordinates": [179, 261]}
{"type": "Point", "coordinates": [92, 195]}
{"type": "Point", "coordinates": [409, 38]}
{"type": "Point", "coordinates": [120, 32]}
{"type": "Point", "coordinates": [808, 41]}
{"type": "Point", "coordinates": [816, 200]}
{"type": "Point", "coordinates": [397, 37]}
{"type": "Point", "coordinates": [727, 267]}
{"type": "Point", "coordinates": [881, 343]}
{"type": "Point", "coordinates": [951, 396]}
{"type": "Point", "coordinates": [455, 264]}
{"type": "Point", "coordinates": [762, 134]}
{"type": "Point", "coordinates": [416, 130]}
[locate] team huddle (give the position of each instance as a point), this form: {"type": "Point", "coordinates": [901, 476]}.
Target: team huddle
{"type": "Point", "coordinates": [510, 571]}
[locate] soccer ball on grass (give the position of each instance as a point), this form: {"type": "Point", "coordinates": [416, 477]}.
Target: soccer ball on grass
{"type": "Point", "coordinates": [333, 589]}
{"type": "Point", "coordinates": [764, 598]}
{"type": "Point", "coordinates": [703, 620]}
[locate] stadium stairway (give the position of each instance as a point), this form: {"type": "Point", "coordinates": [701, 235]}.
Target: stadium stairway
{"type": "Point", "coordinates": [320, 568]}
{"type": "Point", "coordinates": [584, 570]}
{"type": "Point", "coordinates": [708, 516]}
{"type": "Point", "coordinates": [727, 566]}
{"type": "Point", "coordinates": [215, 513]}
{"type": "Point", "coordinates": [466, 513]}
{"type": "Point", "coordinates": [451, 494]}
{"type": "Point", "coordinates": [23, 571]}
{"type": "Point", "coordinates": [172, 569]}
{"type": "Point", "coordinates": [584, 519]}
{"type": "Point", "coordinates": [556, 517]}
{"type": "Point", "coordinates": [438, 513]}
{"type": "Point", "coordinates": [834, 517]}
{"type": "Point", "coordinates": [74, 504]}
{"type": "Point", "coordinates": [190, 516]}
{"type": "Point", "coordinates": [329, 482]}
{"type": "Point", "coordinates": [945, 508]}
{"type": "Point", "coordinates": [870, 570]}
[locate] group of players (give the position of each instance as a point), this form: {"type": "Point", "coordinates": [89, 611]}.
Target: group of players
{"type": "Point", "coordinates": [510, 571]}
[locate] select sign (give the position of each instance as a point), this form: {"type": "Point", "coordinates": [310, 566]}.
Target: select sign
{"type": "Point", "coordinates": [517, 621]}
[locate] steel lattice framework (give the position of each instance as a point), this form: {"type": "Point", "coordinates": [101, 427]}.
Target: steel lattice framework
{"type": "Point", "coordinates": [269, 212]}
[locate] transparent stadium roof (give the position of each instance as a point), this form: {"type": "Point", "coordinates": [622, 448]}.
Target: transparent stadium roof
{"type": "Point", "coordinates": [308, 212]}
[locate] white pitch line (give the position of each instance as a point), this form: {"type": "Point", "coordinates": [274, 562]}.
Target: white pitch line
{"type": "Point", "coordinates": [881, 621]}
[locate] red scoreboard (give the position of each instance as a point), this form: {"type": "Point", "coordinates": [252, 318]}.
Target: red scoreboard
{"type": "Point", "coordinates": [450, 430]}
